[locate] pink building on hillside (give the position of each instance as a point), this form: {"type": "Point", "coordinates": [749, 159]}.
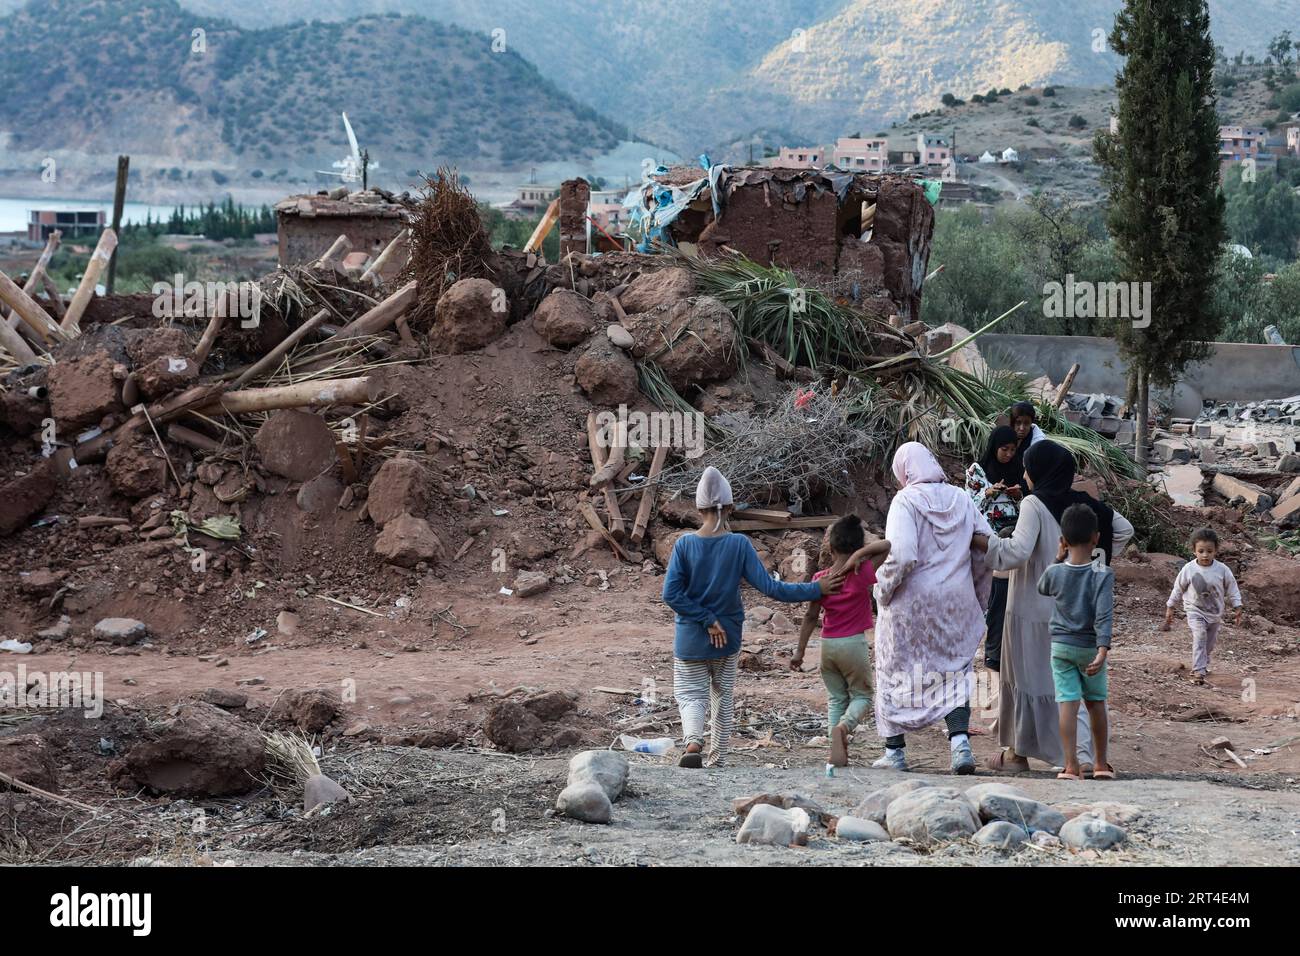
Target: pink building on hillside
{"type": "Point", "coordinates": [860, 155]}
{"type": "Point", "coordinates": [610, 216]}
{"type": "Point", "coordinates": [801, 157]}
{"type": "Point", "coordinates": [932, 150]}
{"type": "Point", "coordinates": [1238, 142]}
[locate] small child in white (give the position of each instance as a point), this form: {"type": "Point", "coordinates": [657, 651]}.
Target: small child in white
{"type": "Point", "coordinates": [1205, 586]}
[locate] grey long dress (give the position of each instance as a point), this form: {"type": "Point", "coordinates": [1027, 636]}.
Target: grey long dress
{"type": "Point", "coordinates": [1027, 715]}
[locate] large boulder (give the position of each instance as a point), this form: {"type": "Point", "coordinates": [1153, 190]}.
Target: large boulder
{"type": "Point", "coordinates": [199, 751]}
{"type": "Point", "coordinates": [607, 374]}
{"type": "Point", "coordinates": [135, 467]}
{"type": "Point", "coordinates": [931, 815]}
{"type": "Point", "coordinates": [978, 792]}
{"type": "Point", "coordinates": [406, 541]}
{"type": "Point", "coordinates": [596, 782]}
{"type": "Point", "coordinates": [875, 805]}
{"type": "Point", "coordinates": [83, 390]}
{"type": "Point", "coordinates": [165, 374]}
{"type": "Point", "coordinates": [469, 315]}
{"type": "Point", "coordinates": [23, 497]}
{"type": "Point", "coordinates": [295, 444]}
{"type": "Point", "coordinates": [313, 709]}
{"type": "Point", "coordinates": [564, 318]}
{"type": "Point", "coordinates": [693, 340]}
{"type": "Point", "coordinates": [514, 728]}
{"type": "Point", "coordinates": [400, 487]}
{"type": "Point", "coordinates": [122, 631]}
{"type": "Point", "coordinates": [28, 758]}
{"type": "Point", "coordinates": [1268, 584]}
{"type": "Point", "coordinates": [653, 290]}
{"type": "Point", "coordinates": [550, 704]}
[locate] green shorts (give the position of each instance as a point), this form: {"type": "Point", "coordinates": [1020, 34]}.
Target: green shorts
{"type": "Point", "coordinates": [1068, 665]}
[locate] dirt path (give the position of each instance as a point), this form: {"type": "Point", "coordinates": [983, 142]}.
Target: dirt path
{"type": "Point", "coordinates": [410, 670]}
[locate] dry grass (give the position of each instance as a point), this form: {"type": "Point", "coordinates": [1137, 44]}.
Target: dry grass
{"type": "Point", "coordinates": [448, 242]}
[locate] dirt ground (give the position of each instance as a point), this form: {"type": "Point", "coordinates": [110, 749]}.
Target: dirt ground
{"type": "Point", "coordinates": [421, 656]}
{"type": "Point", "coordinates": [411, 670]}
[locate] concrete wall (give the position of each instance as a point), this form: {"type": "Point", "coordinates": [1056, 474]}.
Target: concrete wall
{"type": "Point", "coordinates": [1234, 372]}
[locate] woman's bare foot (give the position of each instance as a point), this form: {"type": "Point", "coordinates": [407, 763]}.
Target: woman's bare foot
{"type": "Point", "coordinates": [840, 745]}
{"type": "Point", "coordinates": [693, 758]}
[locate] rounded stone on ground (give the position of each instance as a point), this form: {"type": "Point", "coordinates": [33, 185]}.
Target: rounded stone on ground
{"type": "Point", "coordinates": [320, 789]}
{"type": "Point", "coordinates": [931, 815]}
{"type": "Point", "coordinates": [1091, 833]}
{"type": "Point", "coordinates": [120, 630]}
{"type": "Point", "coordinates": [605, 768]}
{"type": "Point", "coordinates": [585, 801]}
{"type": "Point", "coordinates": [875, 805]}
{"type": "Point", "coordinates": [860, 831]}
{"type": "Point", "coordinates": [1022, 811]}
{"type": "Point", "coordinates": [773, 826]}
{"type": "Point", "coordinates": [1001, 835]}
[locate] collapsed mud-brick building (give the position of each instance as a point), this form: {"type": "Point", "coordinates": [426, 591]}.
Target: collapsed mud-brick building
{"type": "Point", "coordinates": [308, 226]}
{"type": "Point", "coordinates": [865, 236]}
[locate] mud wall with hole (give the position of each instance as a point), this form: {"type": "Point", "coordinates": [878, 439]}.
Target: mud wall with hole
{"type": "Point", "coordinates": [1234, 372]}
{"type": "Point", "coordinates": [778, 218]}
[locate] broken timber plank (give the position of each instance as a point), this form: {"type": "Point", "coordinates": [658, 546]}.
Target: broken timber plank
{"type": "Point", "coordinates": [818, 521]}
{"type": "Point", "coordinates": [593, 519]}
{"type": "Point", "coordinates": [765, 514]}
{"type": "Point", "coordinates": [29, 310]}
{"type": "Point", "coordinates": [549, 219]}
{"type": "Point", "coordinates": [598, 462]}
{"type": "Point", "coordinates": [649, 494]}
{"type": "Point", "coordinates": [99, 260]}
{"type": "Point", "coordinates": [382, 315]}
{"type": "Point", "coordinates": [1065, 386]}
{"type": "Point", "coordinates": [37, 275]}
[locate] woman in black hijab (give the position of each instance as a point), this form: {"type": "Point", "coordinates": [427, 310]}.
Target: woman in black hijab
{"type": "Point", "coordinates": [1028, 721]}
{"type": "Point", "coordinates": [994, 484]}
{"type": "Point", "coordinates": [1050, 468]}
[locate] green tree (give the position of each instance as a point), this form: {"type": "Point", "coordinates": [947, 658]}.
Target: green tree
{"type": "Point", "coordinates": [1162, 171]}
{"type": "Point", "coordinates": [1263, 214]}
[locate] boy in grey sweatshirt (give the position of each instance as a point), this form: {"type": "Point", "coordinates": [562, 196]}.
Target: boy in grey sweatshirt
{"type": "Point", "coordinates": [1081, 632]}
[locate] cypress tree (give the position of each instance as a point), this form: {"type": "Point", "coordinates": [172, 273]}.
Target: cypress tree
{"type": "Point", "coordinates": [1166, 209]}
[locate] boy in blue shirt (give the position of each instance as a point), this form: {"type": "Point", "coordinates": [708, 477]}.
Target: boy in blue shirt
{"type": "Point", "coordinates": [703, 586]}
{"type": "Point", "coordinates": [1081, 630]}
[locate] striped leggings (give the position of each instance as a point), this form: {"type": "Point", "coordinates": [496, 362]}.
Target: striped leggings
{"type": "Point", "coordinates": [711, 681]}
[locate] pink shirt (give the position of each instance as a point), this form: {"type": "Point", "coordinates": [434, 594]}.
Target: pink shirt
{"type": "Point", "coordinates": [848, 612]}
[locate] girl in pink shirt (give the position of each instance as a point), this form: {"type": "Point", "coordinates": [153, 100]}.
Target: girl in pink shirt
{"type": "Point", "coordinates": [845, 657]}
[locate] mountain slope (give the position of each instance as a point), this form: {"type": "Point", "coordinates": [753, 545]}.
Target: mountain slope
{"type": "Point", "coordinates": [122, 75]}
{"type": "Point", "coordinates": [694, 73]}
